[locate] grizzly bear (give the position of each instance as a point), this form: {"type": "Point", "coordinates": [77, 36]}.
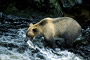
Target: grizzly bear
{"type": "Point", "coordinates": [52, 28]}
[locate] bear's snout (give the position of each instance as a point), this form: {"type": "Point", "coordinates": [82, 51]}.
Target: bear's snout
{"type": "Point", "coordinates": [29, 34]}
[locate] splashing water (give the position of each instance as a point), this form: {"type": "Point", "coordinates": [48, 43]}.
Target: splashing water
{"type": "Point", "coordinates": [13, 49]}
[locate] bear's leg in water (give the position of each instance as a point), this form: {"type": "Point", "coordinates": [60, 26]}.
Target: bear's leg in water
{"type": "Point", "coordinates": [50, 41]}
{"type": "Point", "coordinates": [68, 43]}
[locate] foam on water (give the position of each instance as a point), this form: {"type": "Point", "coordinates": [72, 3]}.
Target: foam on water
{"type": "Point", "coordinates": [28, 54]}
{"type": "Point", "coordinates": [58, 54]}
{"type": "Point", "coordinates": [13, 55]}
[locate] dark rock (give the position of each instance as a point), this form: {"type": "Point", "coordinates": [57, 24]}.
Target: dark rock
{"type": "Point", "coordinates": [5, 44]}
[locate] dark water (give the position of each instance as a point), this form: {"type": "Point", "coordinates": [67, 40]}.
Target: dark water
{"type": "Point", "coordinates": [12, 46]}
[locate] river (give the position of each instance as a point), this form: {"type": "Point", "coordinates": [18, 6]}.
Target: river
{"type": "Point", "coordinates": [13, 47]}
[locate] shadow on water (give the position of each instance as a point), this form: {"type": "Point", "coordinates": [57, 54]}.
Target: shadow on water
{"type": "Point", "coordinates": [13, 47]}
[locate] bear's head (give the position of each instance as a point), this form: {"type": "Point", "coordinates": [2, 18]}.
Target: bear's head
{"type": "Point", "coordinates": [33, 31]}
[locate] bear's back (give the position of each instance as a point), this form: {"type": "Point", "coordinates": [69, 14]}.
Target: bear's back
{"type": "Point", "coordinates": [67, 27]}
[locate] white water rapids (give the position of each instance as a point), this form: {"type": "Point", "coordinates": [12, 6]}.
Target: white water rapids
{"type": "Point", "coordinates": [18, 53]}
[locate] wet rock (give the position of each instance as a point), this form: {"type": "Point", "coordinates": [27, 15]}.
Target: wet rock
{"type": "Point", "coordinates": [5, 44]}
{"type": "Point", "coordinates": [87, 35]}
{"type": "Point", "coordinates": [35, 51]}
{"type": "Point", "coordinates": [13, 22]}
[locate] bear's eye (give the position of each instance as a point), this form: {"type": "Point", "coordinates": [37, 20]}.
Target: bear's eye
{"type": "Point", "coordinates": [35, 30]}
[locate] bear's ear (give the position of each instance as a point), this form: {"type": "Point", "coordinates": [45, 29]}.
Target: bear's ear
{"type": "Point", "coordinates": [31, 24]}
{"type": "Point", "coordinates": [43, 22]}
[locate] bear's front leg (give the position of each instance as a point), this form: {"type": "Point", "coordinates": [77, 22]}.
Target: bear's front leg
{"type": "Point", "coordinates": [50, 40]}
